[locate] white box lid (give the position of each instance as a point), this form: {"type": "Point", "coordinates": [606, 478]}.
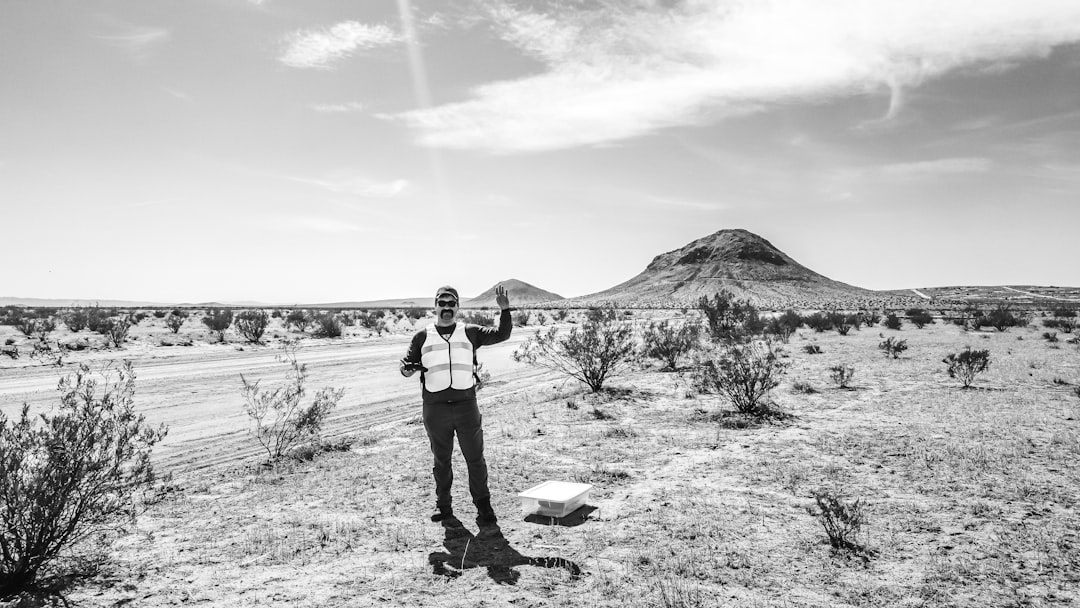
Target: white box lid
{"type": "Point", "coordinates": [556, 490]}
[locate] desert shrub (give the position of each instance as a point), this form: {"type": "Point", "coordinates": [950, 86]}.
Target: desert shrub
{"type": "Point", "coordinates": [281, 423]}
{"type": "Point", "coordinates": [841, 519]}
{"type": "Point", "coordinates": [115, 329]}
{"type": "Point", "coordinates": [842, 375]}
{"type": "Point", "coordinates": [97, 316]}
{"type": "Point", "coordinates": [71, 474]}
{"type": "Point", "coordinates": [9, 315]}
{"type": "Point", "coordinates": [218, 320]}
{"type": "Point", "coordinates": [160, 314]}
{"type": "Point", "coordinates": [298, 319]}
{"type": "Point", "coordinates": [559, 315]}
{"type": "Point", "coordinates": [1003, 317]}
{"type": "Point", "coordinates": [729, 319]}
{"type": "Point", "coordinates": [967, 364]}
{"type": "Point", "coordinates": [893, 322]}
{"type": "Point", "coordinates": [592, 353]}
{"type": "Point", "coordinates": [477, 317]}
{"type": "Point", "coordinates": [251, 324]}
{"type": "Point", "coordinates": [841, 322]}
{"type": "Point", "coordinates": [892, 347]}
{"type": "Point", "coordinates": [1064, 318]}
{"type": "Point", "coordinates": [919, 318]}
{"type": "Point", "coordinates": [871, 318]}
{"type": "Point", "coordinates": [967, 317]}
{"type": "Point", "coordinates": [818, 321]}
{"type": "Point", "coordinates": [370, 319]}
{"type": "Point", "coordinates": [175, 320]}
{"type": "Point", "coordinates": [521, 317]}
{"type": "Point", "coordinates": [36, 328]}
{"type": "Point", "coordinates": [744, 373]}
{"type": "Point", "coordinates": [784, 325]}
{"type": "Point", "coordinates": [669, 341]}
{"type": "Point", "coordinates": [328, 325]}
{"type": "Point", "coordinates": [812, 349]}
{"type": "Point", "coordinates": [140, 316]}
{"type": "Point", "coordinates": [76, 319]}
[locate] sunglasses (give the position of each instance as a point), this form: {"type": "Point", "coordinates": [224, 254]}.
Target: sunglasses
{"type": "Point", "coordinates": [446, 303]}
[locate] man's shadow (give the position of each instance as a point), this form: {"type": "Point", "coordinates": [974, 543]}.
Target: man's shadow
{"type": "Point", "coordinates": [488, 549]}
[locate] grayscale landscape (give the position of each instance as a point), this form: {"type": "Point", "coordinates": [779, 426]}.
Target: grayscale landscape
{"type": "Point", "coordinates": [793, 286]}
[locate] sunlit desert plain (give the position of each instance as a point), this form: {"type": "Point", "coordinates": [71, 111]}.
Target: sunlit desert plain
{"type": "Point", "coordinates": [968, 496]}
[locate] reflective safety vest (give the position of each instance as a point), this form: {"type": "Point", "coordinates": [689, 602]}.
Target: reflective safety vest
{"type": "Point", "coordinates": [449, 361]}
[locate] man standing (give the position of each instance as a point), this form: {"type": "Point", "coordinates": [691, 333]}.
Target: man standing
{"type": "Point", "coordinates": [445, 354]}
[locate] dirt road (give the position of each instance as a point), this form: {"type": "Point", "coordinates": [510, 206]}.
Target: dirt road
{"type": "Point", "coordinates": [197, 394]}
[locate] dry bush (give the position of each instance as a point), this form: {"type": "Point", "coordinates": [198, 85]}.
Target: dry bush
{"type": "Point", "coordinates": [729, 319]}
{"type": "Point", "coordinates": [218, 320]}
{"type": "Point", "coordinates": [841, 519]}
{"type": "Point", "coordinates": [744, 373]}
{"type": "Point", "coordinates": [477, 317]}
{"type": "Point", "coordinates": [670, 342]}
{"type": "Point", "coordinates": [175, 320]}
{"type": "Point", "coordinates": [76, 319]}
{"type": "Point", "coordinates": [521, 317]}
{"type": "Point", "coordinates": [281, 423]}
{"type": "Point", "coordinates": [115, 329]}
{"type": "Point", "coordinates": [919, 317]}
{"type": "Point", "coordinates": [328, 325]}
{"type": "Point", "coordinates": [967, 364]}
{"type": "Point", "coordinates": [300, 319]}
{"type": "Point", "coordinates": [600, 348]}
{"type": "Point", "coordinates": [251, 324]}
{"type": "Point", "coordinates": [893, 347]}
{"type": "Point", "coordinates": [72, 474]}
{"type": "Point", "coordinates": [842, 375]}
{"type": "Point", "coordinates": [39, 328]}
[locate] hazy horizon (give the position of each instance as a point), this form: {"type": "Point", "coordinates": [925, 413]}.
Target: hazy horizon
{"type": "Point", "coordinates": [277, 151]}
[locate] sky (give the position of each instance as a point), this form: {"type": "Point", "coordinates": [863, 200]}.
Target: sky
{"type": "Point", "coordinates": [292, 151]}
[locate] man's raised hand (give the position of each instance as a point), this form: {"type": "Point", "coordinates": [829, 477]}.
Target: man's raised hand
{"type": "Point", "coordinates": [501, 298]}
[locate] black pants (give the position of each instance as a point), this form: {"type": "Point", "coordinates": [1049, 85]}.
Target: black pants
{"type": "Point", "coordinates": [442, 421]}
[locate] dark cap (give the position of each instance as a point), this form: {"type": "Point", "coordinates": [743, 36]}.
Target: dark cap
{"type": "Point", "coordinates": [446, 289]}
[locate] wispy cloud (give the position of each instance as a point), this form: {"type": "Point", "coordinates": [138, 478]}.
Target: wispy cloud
{"type": "Point", "coordinates": [358, 185]}
{"type": "Point", "coordinates": [627, 70]}
{"type": "Point", "coordinates": [321, 48]}
{"type": "Point", "coordinates": [331, 108]}
{"type": "Point", "coordinates": [181, 95]}
{"type": "Point", "coordinates": [137, 41]}
{"type": "Point", "coordinates": [935, 168]}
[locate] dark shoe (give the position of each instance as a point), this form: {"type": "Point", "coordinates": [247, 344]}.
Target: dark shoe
{"type": "Point", "coordinates": [444, 514]}
{"type": "Point", "coordinates": [484, 513]}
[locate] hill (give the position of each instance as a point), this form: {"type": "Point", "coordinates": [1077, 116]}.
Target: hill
{"type": "Point", "coordinates": [520, 292]}
{"type": "Point", "coordinates": [740, 262]}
